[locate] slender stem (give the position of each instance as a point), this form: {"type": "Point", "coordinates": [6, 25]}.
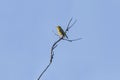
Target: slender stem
{"type": "Point", "coordinates": [44, 71]}
{"type": "Point", "coordinates": [51, 57]}
{"type": "Point", "coordinates": [55, 45]}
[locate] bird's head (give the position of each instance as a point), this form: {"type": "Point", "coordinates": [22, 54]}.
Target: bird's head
{"type": "Point", "coordinates": [59, 27]}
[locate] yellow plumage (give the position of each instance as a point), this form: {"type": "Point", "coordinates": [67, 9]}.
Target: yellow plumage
{"type": "Point", "coordinates": [61, 32]}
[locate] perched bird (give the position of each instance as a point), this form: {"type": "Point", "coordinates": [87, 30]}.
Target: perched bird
{"type": "Point", "coordinates": [61, 32]}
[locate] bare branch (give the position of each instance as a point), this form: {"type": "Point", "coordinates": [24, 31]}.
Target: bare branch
{"type": "Point", "coordinates": [55, 45]}
{"type": "Point", "coordinates": [69, 26]}
{"type": "Point", "coordinates": [73, 24]}
{"type": "Point", "coordinates": [51, 57]}
{"type": "Point", "coordinates": [72, 39]}
{"type": "Point", "coordinates": [43, 71]}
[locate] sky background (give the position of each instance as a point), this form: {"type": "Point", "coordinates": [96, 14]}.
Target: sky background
{"type": "Point", "coordinates": [26, 36]}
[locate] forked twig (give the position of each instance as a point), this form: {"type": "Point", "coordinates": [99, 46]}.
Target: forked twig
{"type": "Point", "coordinates": [68, 26]}
{"type": "Point", "coordinates": [55, 45]}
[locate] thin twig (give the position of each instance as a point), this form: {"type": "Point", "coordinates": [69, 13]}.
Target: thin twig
{"type": "Point", "coordinates": [72, 39]}
{"type": "Point", "coordinates": [44, 71]}
{"type": "Point", "coordinates": [55, 45]}
{"type": "Point", "coordinates": [51, 57]}
{"type": "Point", "coordinates": [55, 33]}
{"type": "Point", "coordinates": [69, 26]}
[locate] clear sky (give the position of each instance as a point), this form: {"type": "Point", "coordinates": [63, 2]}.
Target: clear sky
{"type": "Point", "coordinates": [26, 36]}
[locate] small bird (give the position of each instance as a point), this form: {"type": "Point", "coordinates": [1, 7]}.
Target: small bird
{"type": "Point", "coordinates": [61, 32]}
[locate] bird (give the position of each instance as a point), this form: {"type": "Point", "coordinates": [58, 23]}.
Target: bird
{"type": "Point", "coordinates": [61, 32]}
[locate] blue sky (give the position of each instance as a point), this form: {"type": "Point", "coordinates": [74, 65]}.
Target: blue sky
{"type": "Point", "coordinates": [26, 36]}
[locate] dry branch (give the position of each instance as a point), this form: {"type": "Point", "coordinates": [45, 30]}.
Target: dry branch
{"type": "Point", "coordinates": [55, 45]}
